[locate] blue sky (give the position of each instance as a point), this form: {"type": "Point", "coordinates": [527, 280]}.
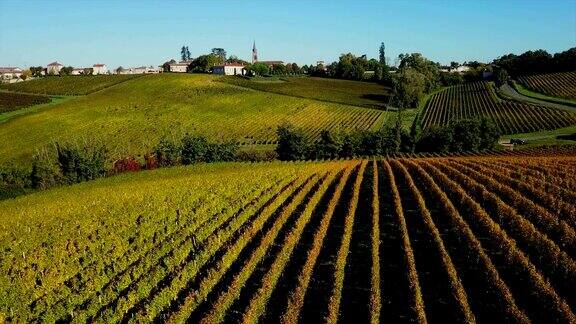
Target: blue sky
{"type": "Point", "coordinates": [132, 33]}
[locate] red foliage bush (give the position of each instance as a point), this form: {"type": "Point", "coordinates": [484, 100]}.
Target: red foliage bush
{"type": "Point", "coordinates": [150, 162]}
{"type": "Point", "coordinates": [127, 164]}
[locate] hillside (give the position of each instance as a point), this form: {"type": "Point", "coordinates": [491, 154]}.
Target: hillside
{"type": "Point", "coordinates": [562, 85]}
{"type": "Point", "coordinates": [487, 239]}
{"type": "Point", "coordinates": [365, 94]}
{"type": "Point", "coordinates": [473, 100]}
{"type": "Point", "coordinates": [13, 101]}
{"type": "Point", "coordinates": [67, 85]}
{"type": "Point", "coordinates": [131, 117]}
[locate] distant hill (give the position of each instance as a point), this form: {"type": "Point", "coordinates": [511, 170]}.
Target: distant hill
{"type": "Point", "coordinates": [132, 116]}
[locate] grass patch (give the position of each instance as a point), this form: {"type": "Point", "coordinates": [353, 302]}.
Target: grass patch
{"type": "Point", "coordinates": [528, 93]}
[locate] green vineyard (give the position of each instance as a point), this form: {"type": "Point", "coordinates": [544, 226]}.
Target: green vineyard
{"type": "Point", "coordinates": [561, 85]}
{"type": "Point", "coordinates": [68, 85]}
{"type": "Point", "coordinates": [131, 117]}
{"type": "Point", "coordinates": [13, 101]}
{"type": "Point", "coordinates": [452, 240]}
{"type": "Point", "coordinates": [478, 99]}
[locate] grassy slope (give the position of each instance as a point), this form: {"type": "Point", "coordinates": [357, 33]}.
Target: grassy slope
{"type": "Point", "coordinates": [68, 85]}
{"type": "Point", "coordinates": [131, 117]}
{"type": "Point", "coordinates": [355, 93]}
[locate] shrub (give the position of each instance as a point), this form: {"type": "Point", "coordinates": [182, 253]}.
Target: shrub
{"type": "Point", "coordinates": [292, 143]}
{"type": "Point", "coordinates": [167, 152]}
{"type": "Point", "coordinates": [194, 149]}
{"type": "Point", "coordinates": [84, 164]}
{"type": "Point", "coordinates": [46, 171]}
{"type": "Point", "coordinates": [150, 162]}
{"type": "Point", "coordinates": [126, 164]}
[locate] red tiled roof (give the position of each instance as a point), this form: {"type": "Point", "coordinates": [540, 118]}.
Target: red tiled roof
{"type": "Point", "coordinates": [55, 64]}
{"type": "Point", "coordinates": [233, 64]}
{"type": "Point", "coordinates": [99, 65]}
{"type": "Point", "coordinates": [9, 69]}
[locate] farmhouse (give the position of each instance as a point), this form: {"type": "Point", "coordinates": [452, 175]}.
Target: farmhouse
{"type": "Point", "coordinates": [181, 67]}
{"type": "Point", "coordinates": [54, 68]}
{"type": "Point", "coordinates": [8, 73]}
{"type": "Point", "coordinates": [229, 69]}
{"type": "Point", "coordinates": [99, 69]}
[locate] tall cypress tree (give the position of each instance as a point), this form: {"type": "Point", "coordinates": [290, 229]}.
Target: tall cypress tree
{"type": "Point", "coordinates": [382, 54]}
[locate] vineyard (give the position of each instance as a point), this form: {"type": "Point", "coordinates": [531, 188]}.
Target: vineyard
{"type": "Point", "coordinates": [68, 85]}
{"type": "Point", "coordinates": [478, 99]}
{"type": "Point", "coordinates": [561, 85]}
{"type": "Point", "coordinates": [450, 240]}
{"type": "Point", "coordinates": [131, 117]}
{"type": "Point", "coordinates": [356, 93]}
{"type": "Point", "coordinates": [14, 101]}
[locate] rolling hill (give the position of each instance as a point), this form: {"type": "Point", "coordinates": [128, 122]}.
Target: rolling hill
{"type": "Point", "coordinates": [130, 117]}
{"type": "Point", "coordinates": [67, 85]}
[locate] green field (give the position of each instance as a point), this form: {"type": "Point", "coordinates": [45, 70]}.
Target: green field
{"type": "Point", "coordinates": [132, 116]}
{"type": "Point", "coordinates": [67, 85]}
{"type": "Point", "coordinates": [365, 94]}
{"type": "Point", "coordinates": [487, 239]}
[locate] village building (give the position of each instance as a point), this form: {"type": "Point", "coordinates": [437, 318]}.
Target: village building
{"type": "Point", "coordinates": [77, 71]}
{"type": "Point", "coordinates": [54, 68]}
{"type": "Point", "coordinates": [229, 69]}
{"type": "Point", "coordinates": [99, 69]}
{"type": "Point", "coordinates": [9, 73]}
{"type": "Point", "coordinates": [255, 58]}
{"type": "Point", "coordinates": [181, 67]}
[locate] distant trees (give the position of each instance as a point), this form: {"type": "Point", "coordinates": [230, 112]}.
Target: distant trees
{"type": "Point", "coordinates": [538, 61]}
{"type": "Point", "coordinates": [382, 54]}
{"type": "Point", "coordinates": [88, 71]}
{"type": "Point", "coordinates": [25, 74]}
{"type": "Point", "coordinates": [258, 68]}
{"type": "Point", "coordinates": [166, 65]}
{"type": "Point", "coordinates": [185, 53]}
{"type": "Point", "coordinates": [220, 52]}
{"type": "Point", "coordinates": [36, 71]}
{"type": "Point", "coordinates": [500, 77]}
{"type": "Point", "coordinates": [205, 63]}
{"type": "Point", "coordinates": [66, 70]}
{"type": "Point", "coordinates": [460, 136]}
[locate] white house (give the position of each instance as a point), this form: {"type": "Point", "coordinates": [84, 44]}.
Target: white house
{"type": "Point", "coordinates": [179, 67]}
{"type": "Point", "coordinates": [9, 73]}
{"type": "Point", "coordinates": [461, 69]}
{"type": "Point", "coordinates": [99, 69]}
{"type": "Point", "coordinates": [229, 69]}
{"type": "Point", "coordinates": [54, 68]}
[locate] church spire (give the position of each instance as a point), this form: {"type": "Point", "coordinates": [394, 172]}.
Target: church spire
{"type": "Point", "coordinates": [254, 53]}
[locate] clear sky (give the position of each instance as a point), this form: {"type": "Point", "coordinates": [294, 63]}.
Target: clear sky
{"type": "Point", "coordinates": [132, 33]}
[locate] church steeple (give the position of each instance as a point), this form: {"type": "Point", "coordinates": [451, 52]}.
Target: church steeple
{"type": "Point", "coordinates": [254, 53]}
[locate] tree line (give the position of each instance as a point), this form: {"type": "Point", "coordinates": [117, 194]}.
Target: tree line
{"type": "Point", "coordinates": [466, 135]}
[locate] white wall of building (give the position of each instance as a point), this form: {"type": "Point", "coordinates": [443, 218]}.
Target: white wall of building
{"type": "Point", "coordinates": [229, 70]}
{"type": "Point", "coordinates": [178, 68]}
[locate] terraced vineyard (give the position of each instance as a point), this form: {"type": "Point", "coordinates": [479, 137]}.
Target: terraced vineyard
{"type": "Point", "coordinates": [68, 85]}
{"type": "Point", "coordinates": [14, 101]}
{"type": "Point", "coordinates": [561, 85]}
{"type": "Point", "coordinates": [478, 99]}
{"type": "Point", "coordinates": [131, 117]}
{"type": "Point", "coordinates": [487, 239]}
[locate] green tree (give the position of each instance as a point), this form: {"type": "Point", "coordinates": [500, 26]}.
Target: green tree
{"type": "Point", "coordinates": [259, 69]}
{"type": "Point", "coordinates": [292, 143]}
{"type": "Point", "coordinates": [328, 146]}
{"type": "Point", "coordinates": [185, 53]}
{"type": "Point", "coordinates": [66, 70]}
{"type": "Point", "coordinates": [220, 52]}
{"type": "Point", "coordinates": [382, 56]}
{"type": "Point", "coordinates": [410, 88]}
{"type": "Point", "coordinates": [500, 77]}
